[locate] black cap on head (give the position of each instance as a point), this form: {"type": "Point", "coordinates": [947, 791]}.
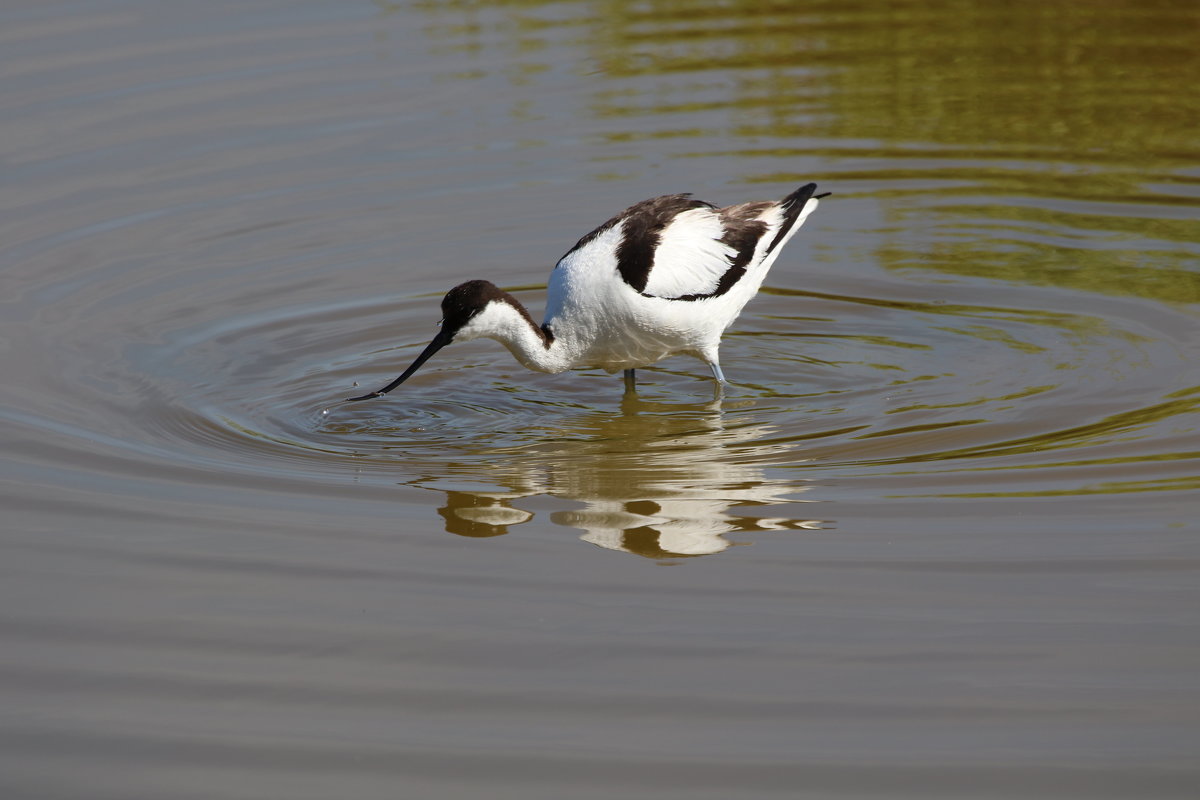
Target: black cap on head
{"type": "Point", "coordinates": [466, 300]}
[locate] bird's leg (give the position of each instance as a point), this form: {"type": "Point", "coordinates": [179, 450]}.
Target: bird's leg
{"type": "Point", "coordinates": [719, 382]}
{"type": "Point", "coordinates": [630, 383]}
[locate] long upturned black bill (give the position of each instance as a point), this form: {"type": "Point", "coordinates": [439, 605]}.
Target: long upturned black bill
{"type": "Point", "coordinates": [441, 340]}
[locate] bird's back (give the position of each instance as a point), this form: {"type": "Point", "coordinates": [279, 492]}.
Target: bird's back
{"type": "Point", "coordinates": [667, 275]}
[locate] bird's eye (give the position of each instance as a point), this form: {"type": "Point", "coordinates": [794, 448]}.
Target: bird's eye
{"type": "Point", "coordinates": [440, 321]}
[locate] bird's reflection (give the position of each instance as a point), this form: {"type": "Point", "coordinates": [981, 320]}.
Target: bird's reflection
{"type": "Point", "coordinates": [480, 515]}
{"type": "Point", "coordinates": [657, 480]}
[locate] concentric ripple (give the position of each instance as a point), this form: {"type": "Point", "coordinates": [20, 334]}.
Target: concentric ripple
{"type": "Point", "coordinates": [934, 396]}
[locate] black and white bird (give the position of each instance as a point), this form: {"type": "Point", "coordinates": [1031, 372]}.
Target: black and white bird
{"type": "Point", "coordinates": [664, 277]}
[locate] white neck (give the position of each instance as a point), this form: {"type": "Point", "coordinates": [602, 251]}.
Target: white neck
{"type": "Point", "coordinates": [509, 323]}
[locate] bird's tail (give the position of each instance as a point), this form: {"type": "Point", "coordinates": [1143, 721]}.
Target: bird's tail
{"type": "Point", "coordinates": [794, 206]}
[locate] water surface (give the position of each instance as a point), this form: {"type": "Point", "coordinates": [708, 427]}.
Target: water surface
{"type": "Point", "coordinates": [939, 539]}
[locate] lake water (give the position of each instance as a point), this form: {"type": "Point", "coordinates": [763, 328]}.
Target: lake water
{"type": "Point", "coordinates": [940, 538]}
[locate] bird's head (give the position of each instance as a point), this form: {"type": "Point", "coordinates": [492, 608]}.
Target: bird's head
{"type": "Point", "coordinates": [465, 316]}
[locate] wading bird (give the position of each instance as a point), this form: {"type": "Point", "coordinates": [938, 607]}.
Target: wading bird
{"type": "Point", "coordinates": [664, 277]}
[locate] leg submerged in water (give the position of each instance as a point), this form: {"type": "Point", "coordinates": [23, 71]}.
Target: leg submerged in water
{"type": "Point", "coordinates": [630, 381]}
{"type": "Point", "coordinates": [719, 383]}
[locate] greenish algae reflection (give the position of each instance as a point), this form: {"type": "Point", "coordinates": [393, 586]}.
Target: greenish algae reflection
{"type": "Point", "coordinates": [1016, 126]}
{"type": "Point", "coordinates": [1108, 430]}
{"type": "Point", "coordinates": [1043, 77]}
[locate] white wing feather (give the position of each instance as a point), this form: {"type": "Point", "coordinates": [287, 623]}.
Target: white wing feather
{"type": "Point", "coordinates": [690, 258]}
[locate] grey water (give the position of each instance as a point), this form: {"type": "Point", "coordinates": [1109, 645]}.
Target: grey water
{"type": "Point", "coordinates": [938, 539]}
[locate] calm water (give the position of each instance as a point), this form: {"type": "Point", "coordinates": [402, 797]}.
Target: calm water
{"type": "Point", "coordinates": [940, 539]}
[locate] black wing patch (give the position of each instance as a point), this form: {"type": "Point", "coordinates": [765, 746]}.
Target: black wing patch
{"type": "Point", "coordinates": [640, 235]}
{"type": "Point", "coordinates": [644, 222]}
{"type": "Point", "coordinates": [743, 230]}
